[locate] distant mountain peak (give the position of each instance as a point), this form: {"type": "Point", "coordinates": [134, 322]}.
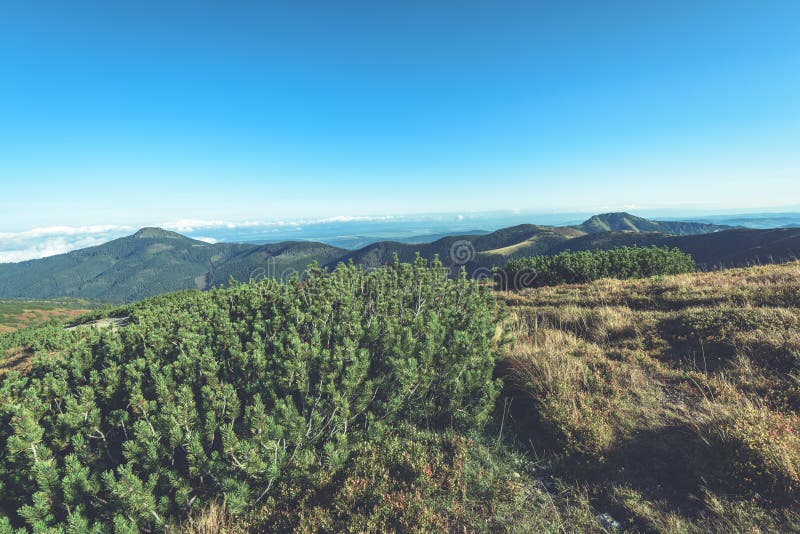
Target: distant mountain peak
{"type": "Point", "coordinates": [614, 215]}
{"type": "Point", "coordinates": [625, 222]}
{"type": "Point", "coordinates": [614, 222]}
{"type": "Point", "coordinates": [156, 233]}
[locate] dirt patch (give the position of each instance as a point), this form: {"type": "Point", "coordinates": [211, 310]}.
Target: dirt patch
{"type": "Point", "coordinates": [109, 322]}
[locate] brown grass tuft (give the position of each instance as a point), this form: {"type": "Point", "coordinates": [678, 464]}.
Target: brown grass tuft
{"type": "Point", "coordinates": [676, 400]}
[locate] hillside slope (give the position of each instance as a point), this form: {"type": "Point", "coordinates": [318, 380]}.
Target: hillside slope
{"type": "Point", "coordinates": [675, 401]}
{"type": "Point", "coordinates": [729, 248]}
{"type": "Point", "coordinates": [470, 251]}
{"type": "Point", "coordinates": [155, 261]}
{"type": "Point", "coordinates": [657, 405]}
{"type": "Point", "coordinates": [150, 262]}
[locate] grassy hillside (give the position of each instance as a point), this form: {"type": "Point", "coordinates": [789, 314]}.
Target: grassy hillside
{"type": "Point", "coordinates": [16, 314]}
{"type": "Point", "coordinates": [669, 405]}
{"type": "Point", "coordinates": [676, 401]}
{"type": "Point", "coordinates": [461, 250]}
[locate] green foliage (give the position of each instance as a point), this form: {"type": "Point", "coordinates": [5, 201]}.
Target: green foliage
{"type": "Point", "coordinates": [228, 395]}
{"type": "Point", "coordinates": [587, 266]}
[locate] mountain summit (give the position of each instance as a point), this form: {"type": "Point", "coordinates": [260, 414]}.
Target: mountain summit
{"type": "Point", "coordinates": [625, 222]}
{"type": "Point", "coordinates": [151, 232]}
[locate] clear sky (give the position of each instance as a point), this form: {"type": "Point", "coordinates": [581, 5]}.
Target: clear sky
{"type": "Point", "coordinates": [140, 112]}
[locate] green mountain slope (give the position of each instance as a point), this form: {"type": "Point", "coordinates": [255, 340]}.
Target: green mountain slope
{"type": "Point", "coordinates": [279, 261]}
{"type": "Point", "coordinates": [472, 251]}
{"type": "Point", "coordinates": [150, 262]}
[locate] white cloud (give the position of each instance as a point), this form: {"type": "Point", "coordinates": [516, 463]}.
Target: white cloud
{"type": "Point", "coordinates": [190, 225]}
{"type": "Point", "coordinates": [62, 231]}
{"type": "Point", "coordinates": [364, 218]}
{"type": "Point", "coordinates": [49, 241]}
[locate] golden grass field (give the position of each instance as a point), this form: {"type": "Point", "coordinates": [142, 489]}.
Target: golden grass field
{"type": "Point", "coordinates": [673, 400]}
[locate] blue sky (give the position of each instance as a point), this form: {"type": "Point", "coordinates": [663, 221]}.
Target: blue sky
{"type": "Point", "coordinates": [132, 113]}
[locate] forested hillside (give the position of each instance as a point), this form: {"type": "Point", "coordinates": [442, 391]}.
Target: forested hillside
{"type": "Point", "coordinates": [151, 262]}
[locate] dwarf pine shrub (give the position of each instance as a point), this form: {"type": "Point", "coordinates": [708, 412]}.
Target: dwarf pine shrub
{"type": "Point", "coordinates": [223, 396]}
{"type": "Point", "coordinates": [587, 266]}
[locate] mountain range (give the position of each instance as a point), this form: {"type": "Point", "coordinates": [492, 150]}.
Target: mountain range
{"type": "Point", "coordinates": [154, 261]}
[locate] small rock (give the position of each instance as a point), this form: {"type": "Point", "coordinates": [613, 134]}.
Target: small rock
{"type": "Point", "coordinates": [608, 522]}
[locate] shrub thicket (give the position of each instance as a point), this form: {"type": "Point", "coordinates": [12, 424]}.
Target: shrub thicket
{"type": "Point", "coordinates": [226, 395]}
{"type": "Point", "coordinates": [587, 266]}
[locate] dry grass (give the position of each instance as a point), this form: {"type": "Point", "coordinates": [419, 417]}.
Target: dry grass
{"type": "Point", "coordinates": [212, 520]}
{"type": "Point", "coordinates": [759, 447]}
{"type": "Point", "coordinates": [664, 395]}
{"type": "Point", "coordinates": [20, 314]}
{"type": "Point", "coordinates": [17, 359]}
{"type": "Point", "coordinates": [771, 285]}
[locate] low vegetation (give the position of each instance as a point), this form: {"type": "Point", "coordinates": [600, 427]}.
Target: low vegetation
{"type": "Point", "coordinates": [588, 266]}
{"type": "Point", "coordinates": [675, 400]}
{"type": "Point", "coordinates": [404, 400]}
{"type": "Point", "coordinates": [239, 395]}
{"type": "Point", "coordinates": [16, 314]}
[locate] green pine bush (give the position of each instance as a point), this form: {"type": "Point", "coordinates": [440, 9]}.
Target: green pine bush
{"type": "Point", "coordinates": [587, 266]}
{"type": "Point", "coordinates": [225, 395]}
